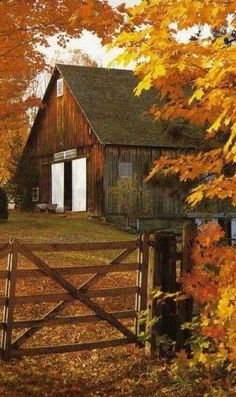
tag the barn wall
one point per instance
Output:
(163, 202)
(60, 126)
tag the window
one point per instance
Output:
(35, 194)
(59, 87)
(125, 170)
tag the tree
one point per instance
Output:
(186, 50)
(194, 78)
(25, 28)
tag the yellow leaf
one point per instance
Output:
(216, 125)
(198, 94)
(159, 71)
(144, 84)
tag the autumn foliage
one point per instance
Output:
(212, 283)
(25, 28)
(185, 50)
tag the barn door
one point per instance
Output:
(79, 185)
(58, 186)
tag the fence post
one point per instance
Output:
(184, 307)
(162, 275)
(142, 280)
(188, 237)
(8, 312)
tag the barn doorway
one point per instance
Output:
(69, 185)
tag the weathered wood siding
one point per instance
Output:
(142, 158)
(59, 126)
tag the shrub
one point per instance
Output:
(132, 199)
(3, 204)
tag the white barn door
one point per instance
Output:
(58, 186)
(79, 185)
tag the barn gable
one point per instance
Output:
(117, 116)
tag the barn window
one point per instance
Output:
(59, 87)
(125, 170)
(35, 194)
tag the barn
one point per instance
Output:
(89, 133)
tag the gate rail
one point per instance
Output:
(12, 348)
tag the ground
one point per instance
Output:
(120, 371)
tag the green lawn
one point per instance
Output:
(59, 227)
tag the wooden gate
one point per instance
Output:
(12, 347)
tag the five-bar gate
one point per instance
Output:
(14, 346)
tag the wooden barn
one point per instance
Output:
(90, 132)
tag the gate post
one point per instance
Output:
(8, 311)
(142, 281)
(161, 275)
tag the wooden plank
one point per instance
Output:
(141, 300)
(184, 315)
(138, 283)
(144, 271)
(58, 297)
(69, 348)
(5, 250)
(189, 235)
(165, 261)
(76, 294)
(91, 246)
(155, 307)
(51, 322)
(75, 270)
(8, 314)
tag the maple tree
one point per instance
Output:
(194, 78)
(25, 28)
(186, 50)
(212, 284)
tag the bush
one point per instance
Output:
(3, 204)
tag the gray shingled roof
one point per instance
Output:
(116, 115)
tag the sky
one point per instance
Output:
(88, 42)
(91, 44)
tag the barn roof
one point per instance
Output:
(116, 115)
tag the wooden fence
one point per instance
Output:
(169, 259)
(13, 348)
(161, 261)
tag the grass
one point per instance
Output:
(60, 227)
